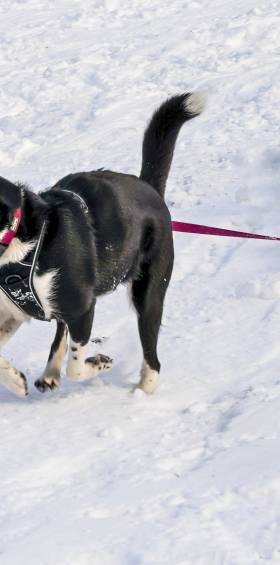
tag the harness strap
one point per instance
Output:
(16, 281)
(34, 263)
(79, 199)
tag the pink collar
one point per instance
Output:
(12, 231)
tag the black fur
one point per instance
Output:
(160, 138)
(10, 194)
(126, 235)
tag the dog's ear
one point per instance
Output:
(10, 194)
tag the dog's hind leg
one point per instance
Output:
(10, 377)
(78, 367)
(51, 376)
(148, 292)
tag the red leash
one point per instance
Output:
(207, 230)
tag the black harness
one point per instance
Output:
(16, 281)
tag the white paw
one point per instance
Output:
(149, 380)
(17, 384)
(98, 363)
(47, 383)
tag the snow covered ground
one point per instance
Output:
(92, 474)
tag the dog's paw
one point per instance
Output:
(17, 383)
(149, 380)
(47, 383)
(99, 363)
(21, 388)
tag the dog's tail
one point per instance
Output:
(161, 134)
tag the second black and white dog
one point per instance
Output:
(91, 232)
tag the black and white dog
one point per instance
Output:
(79, 240)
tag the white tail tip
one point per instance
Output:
(195, 103)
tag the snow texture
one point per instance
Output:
(93, 474)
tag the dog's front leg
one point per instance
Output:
(78, 367)
(10, 377)
(51, 376)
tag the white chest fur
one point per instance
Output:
(45, 289)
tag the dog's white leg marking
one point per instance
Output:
(149, 381)
(51, 376)
(10, 377)
(76, 361)
(53, 368)
(79, 368)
